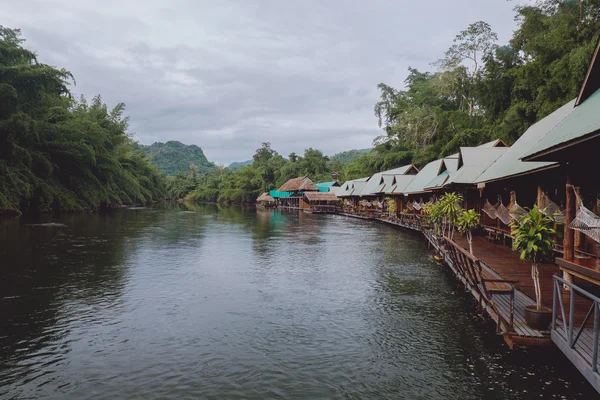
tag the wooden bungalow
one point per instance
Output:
(376, 188)
(346, 193)
(515, 184)
(554, 163)
(415, 191)
(320, 202)
(294, 190)
(266, 200)
(572, 146)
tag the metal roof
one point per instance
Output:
(579, 122)
(336, 189)
(425, 175)
(474, 161)
(509, 164)
(326, 186)
(279, 195)
(402, 182)
(350, 186)
(447, 169)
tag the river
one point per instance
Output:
(198, 301)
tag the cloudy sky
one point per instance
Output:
(229, 74)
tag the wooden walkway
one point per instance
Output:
(507, 264)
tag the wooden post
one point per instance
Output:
(540, 193)
(579, 239)
(511, 203)
(569, 242)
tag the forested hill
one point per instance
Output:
(234, 166)
(343, 157)
(59, 154)
(174, 158)
(348, 156)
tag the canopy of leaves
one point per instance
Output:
(482, 91)
(60, 154)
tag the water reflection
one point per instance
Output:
(205, 301)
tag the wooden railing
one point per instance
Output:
(482, 282)
(568, 333)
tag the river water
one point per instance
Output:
(187, 301)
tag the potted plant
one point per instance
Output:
(466, 222)
(533, 240)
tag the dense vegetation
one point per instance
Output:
(482, 91)
(174, 158)
(57, 153)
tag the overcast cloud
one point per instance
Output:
(228, 75)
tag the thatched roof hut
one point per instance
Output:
(265, 198)
(320, 196)
(300, 184)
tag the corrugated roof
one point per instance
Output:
(448, 168)
(373, 185)
(473, 162)
(358, 188)
(326, 186)
(581, 121)
(349, 186)
(401, 170)
(425, 175)
(402, 181)
(279, 195)
(336, 189)
(510, 164)
(494, 143)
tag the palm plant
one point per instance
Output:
(450, 209)
(466, 222)
(533, 240)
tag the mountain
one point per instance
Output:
(348, 156)
(234, 166)
(175, 157)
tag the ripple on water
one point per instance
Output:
(227, 303)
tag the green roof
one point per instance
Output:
(509, 164)
(350, 186)
(325, 186)
(579, 122)
(474, 161)
(425, 175)
(279, 195)
(448, 168)
(402, 182)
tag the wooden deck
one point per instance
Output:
(506, 264)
